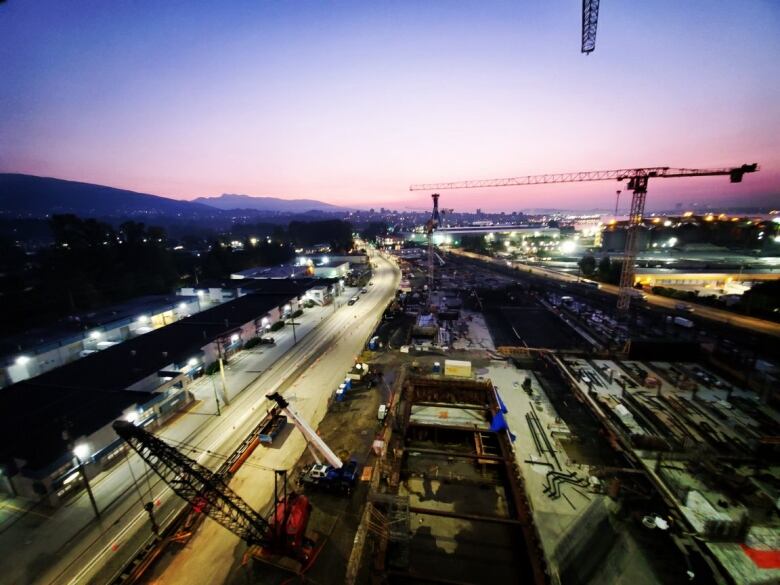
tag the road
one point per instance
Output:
(711, 313)
(69, 546)
(213, 552)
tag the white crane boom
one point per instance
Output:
(311, 436)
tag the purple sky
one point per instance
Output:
(350, 102)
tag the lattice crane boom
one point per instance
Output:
(586, 176)
(590, 21)
(197, 485)
(637, 183)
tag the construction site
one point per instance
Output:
(495, 426)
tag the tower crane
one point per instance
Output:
(637, 183)
(430, 227)
(590, 21)
(335, 475)
(206, 491)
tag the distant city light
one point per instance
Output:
(568, 246)
(667, 223)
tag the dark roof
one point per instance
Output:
(294, 286)
(91, 392)
(76, 326)
(291, 286)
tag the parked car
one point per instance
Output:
(267, 341)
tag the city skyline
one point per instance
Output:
(347, 102)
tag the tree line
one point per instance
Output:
(92, 264)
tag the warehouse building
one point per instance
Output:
(40, 350)
(144, 379)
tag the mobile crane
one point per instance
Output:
(283, 535)
(332, 476)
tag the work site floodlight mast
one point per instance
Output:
(637, 184)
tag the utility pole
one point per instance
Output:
(80, 466)
(292, 322)
(216, 396)
(222, 373)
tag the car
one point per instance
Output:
(371, 283)
(352, 301)
(364, 290)
(267, 341)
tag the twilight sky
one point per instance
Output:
(350, 102)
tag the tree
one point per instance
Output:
(374, 230)
(605, 266)
(335, 232)
(762, 297)
(588, 265)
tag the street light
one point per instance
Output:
(81, 452)
(22, 360)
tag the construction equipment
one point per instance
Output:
(270, 426)
(430, 227)
(637, 183)
(333, 476)
(206, 492)
(590, 20)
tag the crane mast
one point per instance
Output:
(590, 20)
(196, 484)
(431, 227)
(637, 183)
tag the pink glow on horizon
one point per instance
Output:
(353, 103)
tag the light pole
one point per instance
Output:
(292, 322)
(81, 451)
(216, 396)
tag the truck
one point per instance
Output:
(327, 478)
(358, 372)
(271, 425)
(683, 322)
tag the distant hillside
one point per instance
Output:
(273, 204)
(31, 196)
